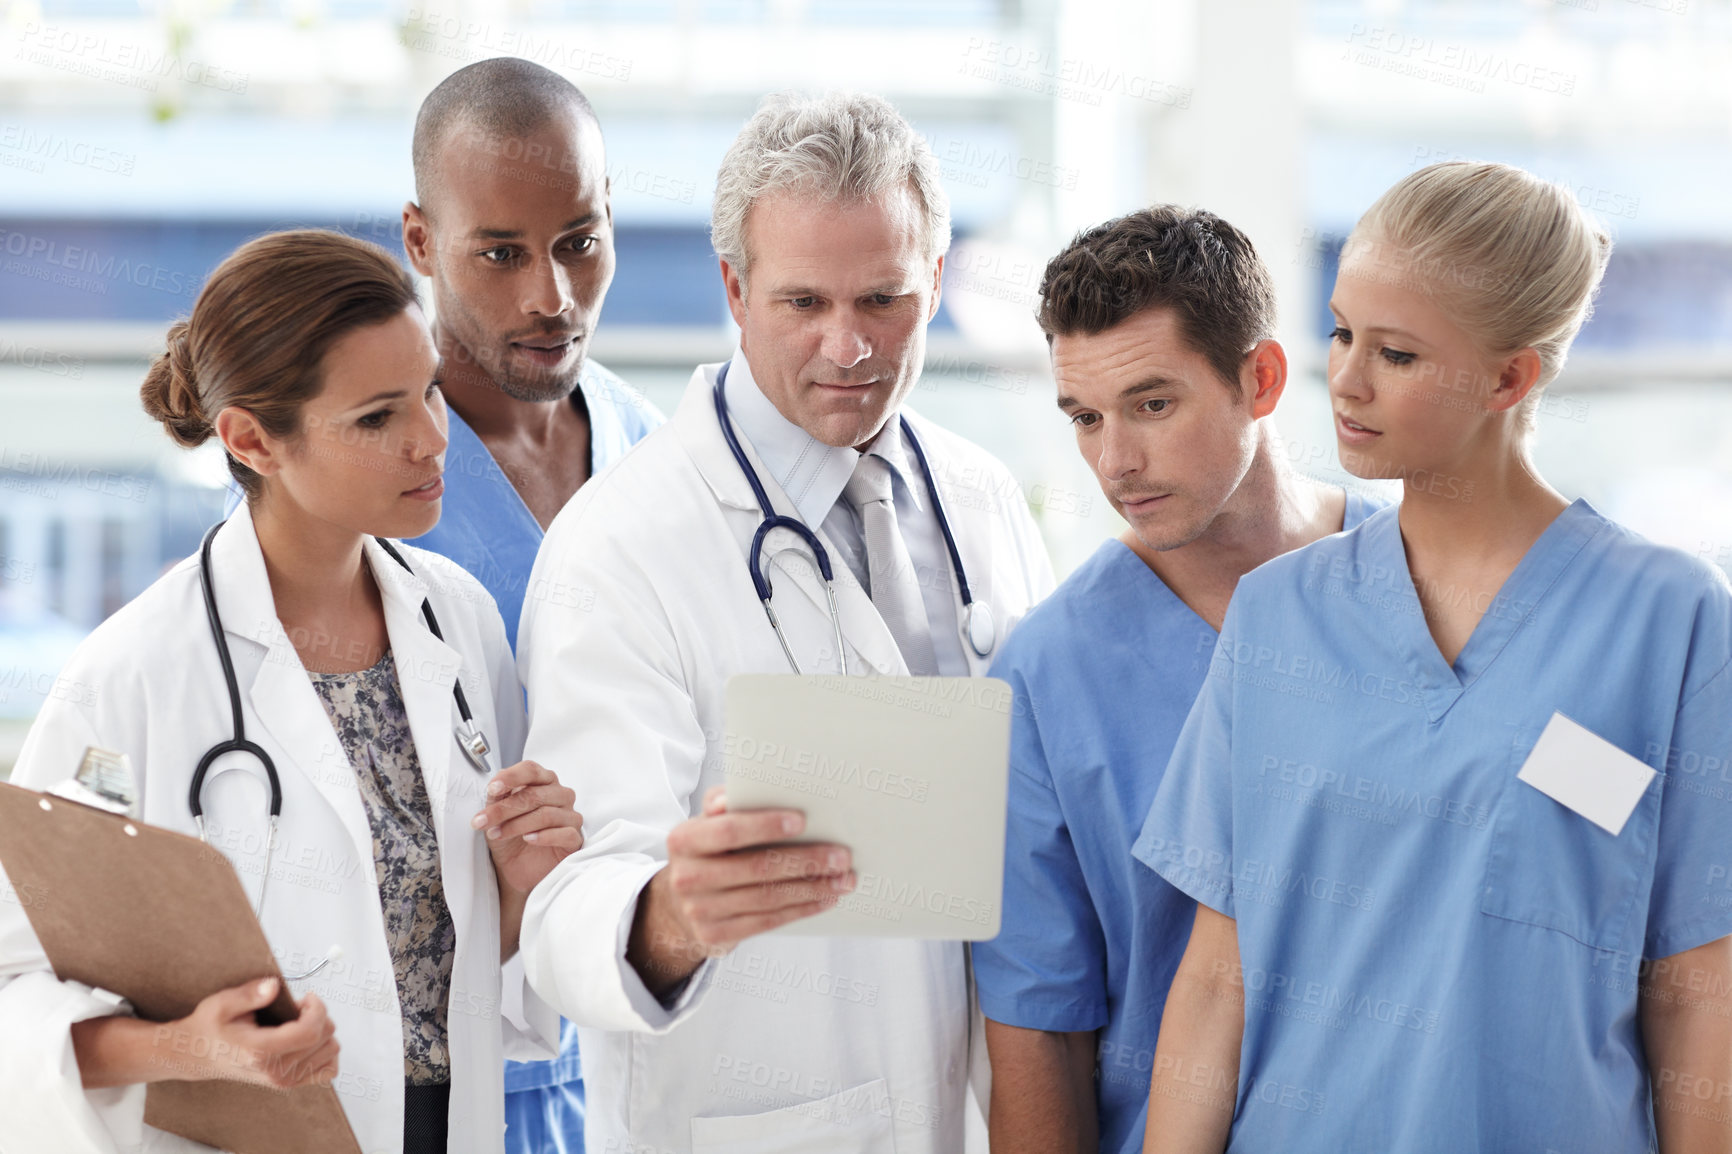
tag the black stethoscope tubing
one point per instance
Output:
(239, 743)
(773, 521)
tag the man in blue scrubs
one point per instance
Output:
(513, 225)
(1161, 327)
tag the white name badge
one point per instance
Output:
(1585, 772)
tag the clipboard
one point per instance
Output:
(162, 920)
(910, 773)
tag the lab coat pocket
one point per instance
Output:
(1549, 866)
(855, 1121)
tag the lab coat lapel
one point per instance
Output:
(701, 437)
(862, 627)
(972, 514)
(426, 670)
(282, 697)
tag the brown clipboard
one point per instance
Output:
(162, 920)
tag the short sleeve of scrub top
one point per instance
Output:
(1691, 898)
(1188, 837)
(1069, 973)
(1102, 673)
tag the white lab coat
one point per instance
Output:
(638, 611)
(148, 683)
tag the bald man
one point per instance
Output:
(513, 225)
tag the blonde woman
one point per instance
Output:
(1421, 926)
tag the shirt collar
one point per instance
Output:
(810, 472)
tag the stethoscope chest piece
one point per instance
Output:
(979, 628)
(474, 744)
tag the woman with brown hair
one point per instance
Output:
(374, 676)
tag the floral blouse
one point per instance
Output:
(367, 710)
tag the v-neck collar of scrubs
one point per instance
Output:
(1441, 682)
(476, 459)
(484, 524)
(1355, 510)
(1161, 590)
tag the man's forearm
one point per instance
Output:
(1043, 1093)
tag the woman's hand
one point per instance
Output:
(530, 823)
(220, 1039)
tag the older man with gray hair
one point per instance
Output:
(700, 1033)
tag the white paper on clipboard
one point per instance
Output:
(910, 773)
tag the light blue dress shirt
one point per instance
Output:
(1435, 955)
(813, 476)
(1104, 672)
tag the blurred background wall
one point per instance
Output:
(140, 142)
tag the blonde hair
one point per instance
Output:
(1514, 259)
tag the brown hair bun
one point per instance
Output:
(170, 391)
(266, 318)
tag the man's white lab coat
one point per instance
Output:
(639, 609)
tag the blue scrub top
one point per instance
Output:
(1435, 955)
(1104, 672)
(484, 525)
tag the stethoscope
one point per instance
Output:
(977, 625)
(469, 735)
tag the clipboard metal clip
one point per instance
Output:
(104, 781)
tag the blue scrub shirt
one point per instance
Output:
(1104, 672)
(1436, 956)
(485, 527)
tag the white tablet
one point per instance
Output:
(910, 773)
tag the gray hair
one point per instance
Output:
(839, 146)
